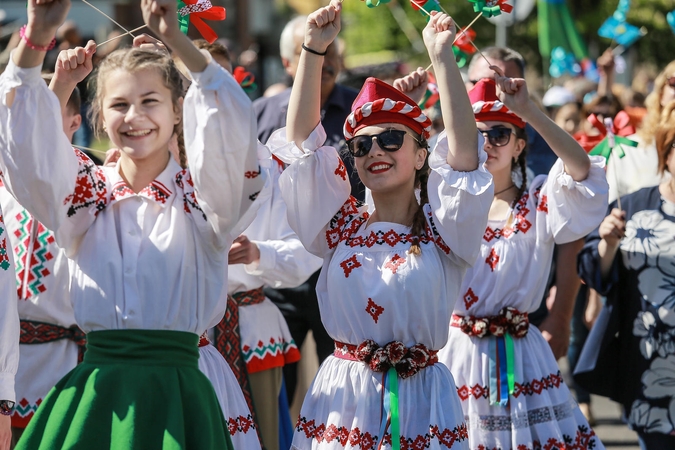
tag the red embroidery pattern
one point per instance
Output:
(350, 264)
(374, 309)
(470, 299)
(583, 440)
(543, 204)
(250, 174)
(366, 441)
(90, 187)
(552, 381)
(154, 191)
(394, 263)
(492, 260)
(240, 424)
(338, 228)
(520, 223)
(185, 183)
(341, 170)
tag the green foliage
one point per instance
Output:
(373, 30)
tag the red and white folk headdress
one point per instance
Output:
(487, 106)
(379, 102)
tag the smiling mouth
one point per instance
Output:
(137, 133)
(379, 168)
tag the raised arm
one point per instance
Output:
(304, 108)
(458, 116)
(219, 128)
(72, 67)
(514, 94)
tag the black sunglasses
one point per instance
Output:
(389, 141)
(498, 136)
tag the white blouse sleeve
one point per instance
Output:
(61, 187)
(459, 202)
(572, 209)
(9, 319)
(284, 262)
(316, 190)
(221, 147)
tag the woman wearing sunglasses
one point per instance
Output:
(387, 278)
(508, 380)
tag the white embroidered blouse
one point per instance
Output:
(152, 260)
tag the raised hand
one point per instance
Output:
(439, 33)
(512, 92)
(323, 27)
(73, 65)
(161, 17)
(613, 228)
(44, 17)
(413, 85)
(148, 42)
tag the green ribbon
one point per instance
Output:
(603, 148)
(183, 21)
(510, 363)
(393, 403)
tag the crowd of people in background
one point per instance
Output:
(167, 244)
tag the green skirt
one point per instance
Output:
(136, 389)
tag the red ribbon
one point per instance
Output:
(197, 19)
(464, 41)
(620, 127)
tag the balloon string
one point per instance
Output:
(111, 19)
(121, 35)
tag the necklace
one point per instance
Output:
(504, 190)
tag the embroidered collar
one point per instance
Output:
(159, 189)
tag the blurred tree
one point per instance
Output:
(367, 30)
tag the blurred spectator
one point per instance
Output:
(564, 108)
(300, 306)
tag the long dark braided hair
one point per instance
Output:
(419, 221)
(520, 163)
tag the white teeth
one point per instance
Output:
(380, 167)
(138, 133)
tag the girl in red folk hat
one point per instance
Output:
(508, 380)
(387, 278)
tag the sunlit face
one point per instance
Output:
(500, 157)
(138, 113)
(389, 171)
(481, 69)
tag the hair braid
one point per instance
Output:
(180, 139)
(419, 220)
(521, 162)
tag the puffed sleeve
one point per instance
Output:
(459, 202)
(9, 319)
(221, 147)
(316, 190)
(284, 262)
(61, 187)
(572, 209)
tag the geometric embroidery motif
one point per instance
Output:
(90, 187)
(583, 440)
(4, 257)
(349, 264)
(520, 222)
(341, 170)
(346, 215)
(492, 259)
(395, 263)
(154, 191)
(30, 269)
(240, 424)
(184, 182)
(250, 174)
(469, 299)
(534, 387)
(358, 440)
(374, 309)
(543, 204)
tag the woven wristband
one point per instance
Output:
(313, 52)
(38, 48)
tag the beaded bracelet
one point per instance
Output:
(38, 48)
(313, 52)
